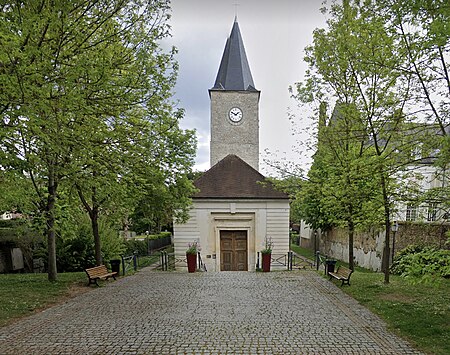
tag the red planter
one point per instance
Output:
(266, 262)
(191, 262)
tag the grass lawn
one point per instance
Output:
(417, 312)
(22, 294)
(303, 251)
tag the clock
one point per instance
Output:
(235, 115)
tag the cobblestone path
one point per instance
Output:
(295, 312)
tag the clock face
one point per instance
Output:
(235, 114)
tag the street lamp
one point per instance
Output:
(394, 230)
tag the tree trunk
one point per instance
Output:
(386, 249)
(95, 232)
(351, 231)
(50, 222)
(93, 213)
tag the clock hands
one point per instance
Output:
(235, 114)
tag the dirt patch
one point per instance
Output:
(73, 291)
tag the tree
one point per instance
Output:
(70, 73)
(341, 190)
(423, 32)
(354, 61)
(146, 172)
(424, 36)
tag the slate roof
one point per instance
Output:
(234, 178)
(234, 72)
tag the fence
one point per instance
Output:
(168, 262)
(288, 261)
(128, 262)
(155, 244)
(133, 262)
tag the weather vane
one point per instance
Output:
(236, 9)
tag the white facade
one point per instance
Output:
(425, 177)
(259, 218)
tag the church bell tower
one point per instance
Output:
(234, 106)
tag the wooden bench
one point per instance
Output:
(99, 273)
(342, 274)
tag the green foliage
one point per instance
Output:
(308, 253)
(268, 246)
(140, 244)
(161, 202)
(422, 263)
(348, 182)
(12, 228)
(159, 235)
(22, 233)
(294, 237)
(77, 253)
(135, 246)
(16, 192)
(86, 108)
(364, 149)
(193, 248)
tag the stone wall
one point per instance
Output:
(367, 249)
(241, 139)
(368, 245)
(430, 234)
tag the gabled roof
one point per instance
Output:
(234, 72)
(234, 178)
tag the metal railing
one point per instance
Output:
(298, 262)
(327, 262)
(168, 262)
(200, 265)
(129, 262)
(288, 261)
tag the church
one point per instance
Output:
(235, 209)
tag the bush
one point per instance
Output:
(423, 262)
(78, 253)
(136, 246)
(295, 237)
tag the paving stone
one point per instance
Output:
(152, 312)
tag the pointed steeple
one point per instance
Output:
(234, 71)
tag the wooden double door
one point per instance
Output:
(233, 250)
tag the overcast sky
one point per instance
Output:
(275, 33)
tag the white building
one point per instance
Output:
(427, 177)
(235, 209)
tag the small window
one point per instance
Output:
(411, 213)
(432, 212)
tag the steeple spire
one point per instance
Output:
(234, 72)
